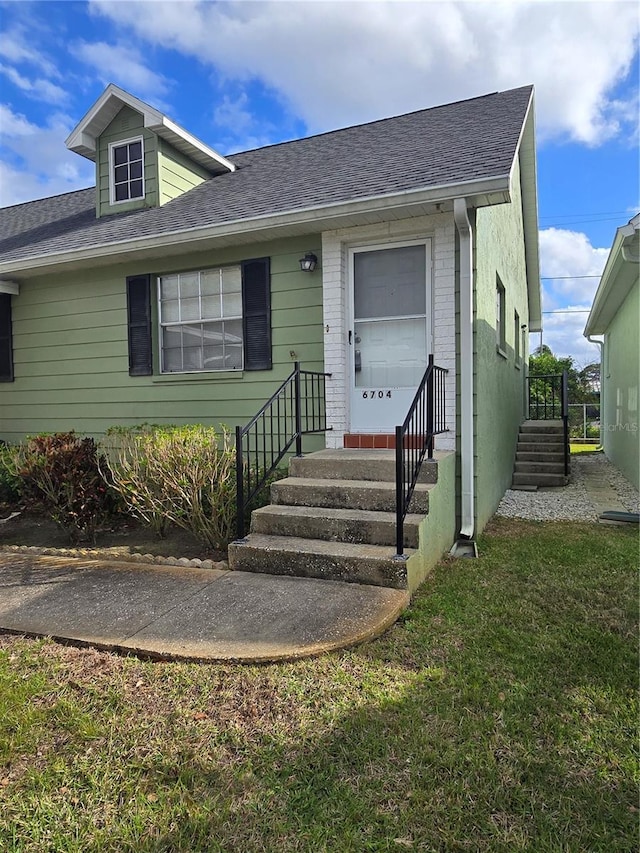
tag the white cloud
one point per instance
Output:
(40, 89)
(120, 64)
(35, 162)
(570, 253)
(566, 254)
(564, 334)
(233, 114)
(17, 47)
(239, 129)
(342, 63)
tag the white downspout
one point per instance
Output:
(466, 367)
(600, 344)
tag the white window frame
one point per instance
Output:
(202, 320)
(112, 170)
(501, 332)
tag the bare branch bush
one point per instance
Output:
(183, 475)
(130, 469)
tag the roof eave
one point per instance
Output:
(526, 153)
(618, 277)
(487, 191)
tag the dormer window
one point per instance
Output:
(126, 170)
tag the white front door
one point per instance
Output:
(389, 331)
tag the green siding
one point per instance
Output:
(620, 437)
(127, 124)
(177, 173)
(498, 381)
(71, 358)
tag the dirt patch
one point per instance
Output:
(119, 539)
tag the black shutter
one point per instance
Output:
(139, 323)
(6, 339)
(256, 314)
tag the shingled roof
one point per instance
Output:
(470, 141)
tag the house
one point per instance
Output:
(173, 291)
(615, 313)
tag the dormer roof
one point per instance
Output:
(83, 138)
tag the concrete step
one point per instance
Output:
(539, 456)
(550, 426)
(539, 467)
(541, 437)
(346, 494)
(371, 465)
(310, 558)
(540, 447)
(334, 525)
(541, 480)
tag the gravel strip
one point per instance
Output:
(571, 503)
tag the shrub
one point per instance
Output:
(9, 482)
(179, 474)
(61, 472)
(130, 468)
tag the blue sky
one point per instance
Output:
(243, 74)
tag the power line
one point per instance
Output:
(562, 220)
(583, 215)
(570, 311)
(583, 221)
(563, 277)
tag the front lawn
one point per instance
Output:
(499, 714)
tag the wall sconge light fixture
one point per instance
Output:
(309, 262)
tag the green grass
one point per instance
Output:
(499, 714)
(584, 447)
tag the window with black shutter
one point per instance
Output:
(6, 339)
(139, 322)
(216, 319)
(256, 310)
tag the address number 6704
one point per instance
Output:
(375, 395)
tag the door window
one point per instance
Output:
(390, 317)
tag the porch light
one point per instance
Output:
(308, 263)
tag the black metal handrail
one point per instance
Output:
(425, 419)
(297, 408)
(565, 419)
(548, 399)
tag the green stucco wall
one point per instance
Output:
(499, 377)
(177, 174)
(621, 431)
(127, 124)
(71, 355)
(438, 528)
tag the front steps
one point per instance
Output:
(334, 518)
(539, 456)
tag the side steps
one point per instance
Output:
(539, 456)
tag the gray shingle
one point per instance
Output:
(458, 142)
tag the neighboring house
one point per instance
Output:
(173, 292)
(616, 315)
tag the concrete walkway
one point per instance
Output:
(603, 497)
(169, 612)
